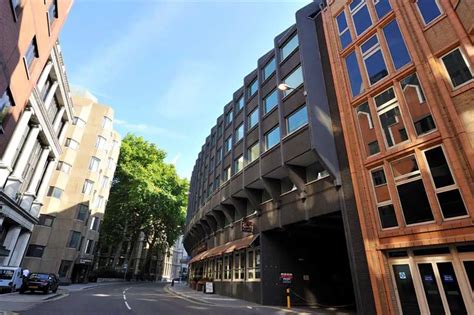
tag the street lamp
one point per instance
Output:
(284, 87)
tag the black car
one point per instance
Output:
(44, 282)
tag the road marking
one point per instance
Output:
(125, 299)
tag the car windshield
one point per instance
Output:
(38, 276)
(6, 274)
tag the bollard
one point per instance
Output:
(288, 298)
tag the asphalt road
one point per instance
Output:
(148, 298)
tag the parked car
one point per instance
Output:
(10, 278)
(44, 282)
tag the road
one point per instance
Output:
(148, 298)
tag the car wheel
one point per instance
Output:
(46, 290)
(55, 290)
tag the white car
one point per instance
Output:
(10, 278)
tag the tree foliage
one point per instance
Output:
(146, 196)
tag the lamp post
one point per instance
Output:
(285, 87)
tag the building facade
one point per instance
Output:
(271, 198)
(64, 241)
(406, 97)
(35, 109)
(175, 262)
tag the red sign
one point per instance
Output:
(286, 278)
(247, 226)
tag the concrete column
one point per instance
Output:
(20, 249)
(58, 118)
(49, 97)
(7, 159)
(14, 181)
(26, 151)
(44, 76)
(42, 163)
(45, 180)
(62, 134)
(10, 241)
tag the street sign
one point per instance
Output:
(209, 288)
(247, 226)
(286, 278)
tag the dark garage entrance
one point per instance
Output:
(315, 252)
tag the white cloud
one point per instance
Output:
(146, 129)
(175, 159)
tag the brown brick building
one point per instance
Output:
(405, 95)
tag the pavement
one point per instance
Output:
(134, 298)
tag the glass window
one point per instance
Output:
(367, 130)
(239, 133)
(253, 152)
(100, 143)
(64, 268)
(228, 118)
(52, 12)
(239, 265)
(72, 144)
(82, 212)
(253, 118)
(360, 16)
(111, 164)
(226, 174)
(74, 239)
(457, 67)
(219, 154)
(98, 201)
(228, 145)
(353, 71)
(373, 60)
(31, 53)
(289, 47)
(390, 118)
(411, 192)
(272, 138)
(64, 167)
(94, 164)
(270, 101)
(297, 119)
(35, 251)
(219, 130)
(396, 45)
(46, 220)
(386, 211)
(429, 10)
(240, 103)
(448, 194)
(55, 192)
(87, 187)
(293, 80)
(89, 246)
(6, 102)
(252, 88)
(238, 164)
(79, 122)
(253, 264)
(107, 123)
(95, 223)
(269, 69)
(382, 7)
(344, 33)
(417, 106)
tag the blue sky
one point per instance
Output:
(169, 67)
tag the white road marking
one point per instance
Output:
(125, 299)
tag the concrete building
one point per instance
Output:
(35, 109)
(175, 262)
(65, 239)
(271, 199)
(405, 91)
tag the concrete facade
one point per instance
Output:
(269, 205)
(35, 111)
(406, 99)
(64, 242)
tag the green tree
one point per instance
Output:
(147, 197)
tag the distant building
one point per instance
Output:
(175, 262)
(35, 110)
(64, 242)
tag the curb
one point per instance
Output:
(184, 296)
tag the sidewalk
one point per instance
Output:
(182, 290)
